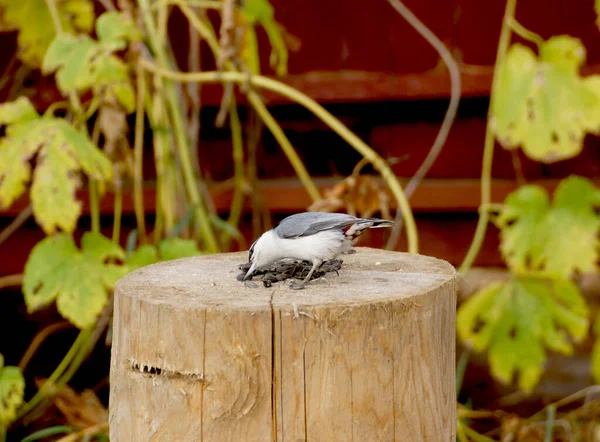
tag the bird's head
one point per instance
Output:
(262, 253)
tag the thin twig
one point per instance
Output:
(440, 140)
(488, 147)
(39, 338)
(285, 144)
(228, 46)
(517, 166)
(11, 280)
(107, 4)
(138, 152)
(238, 164)
(524, 33)
(85, 432)
(204, 4)
(16, 223)
(193, 91)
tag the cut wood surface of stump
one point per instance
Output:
(368, 355)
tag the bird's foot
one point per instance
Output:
(320, 280)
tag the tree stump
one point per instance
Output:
(368, 355)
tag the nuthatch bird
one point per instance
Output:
(310, 236)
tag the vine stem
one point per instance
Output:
(11, 280)
(238, 175)
(138, 154)
(16, 223)
(58, 372)
(318, 110)
(205, 31)
(39, 338)
(440, 140)
(285, 144)
(525, 33)
(208, 235)
(488, 147)
(118, 209)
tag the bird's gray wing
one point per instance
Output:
(309, 223)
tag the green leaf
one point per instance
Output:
(36, 30)
(19, 111)
(12, 389)
(114, 29)
(509, 108)
(557, 239)
(69, 57)
(62, 153)
(143, 256)
(175, 248)
(523, 212)
(81, 64)
(542, 103)
(570, 231)
(597, 9)
(111, 81)
(78, 280)
(518, 320)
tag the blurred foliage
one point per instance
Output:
(516, 320)
(554, 240)
(543, 104)
(34, 22)
(261, 12)
(81, 63)
(78, 280)
(62, 152)
(540, 307)
(12, 388)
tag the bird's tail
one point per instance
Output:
(377, 223)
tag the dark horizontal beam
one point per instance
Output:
(288, 195)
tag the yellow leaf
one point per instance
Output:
(542, 104)
(518, 320)
(63, 153)
(36, 29)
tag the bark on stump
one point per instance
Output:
(367, 356)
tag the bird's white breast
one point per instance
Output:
(322, 246)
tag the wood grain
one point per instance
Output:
(367, 355)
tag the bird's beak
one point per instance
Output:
(250, 272)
